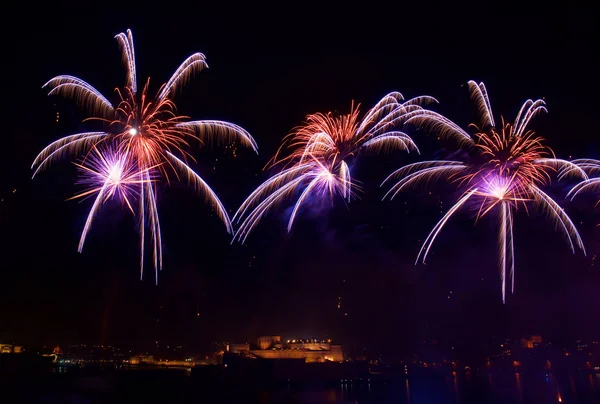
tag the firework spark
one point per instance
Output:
(317, 165)
(591, 168)
(504, 170)
(109, 174)
(149, 133)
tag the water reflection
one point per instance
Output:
(519, 387)
(549, 386)
(456, 387)
(572, 383)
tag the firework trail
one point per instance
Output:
(504, 170)
(318, 154)
(591, 168)
(148, 134)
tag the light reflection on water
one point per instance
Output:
(519, 388)
(455, 388)
(455, 380)
(510, 387)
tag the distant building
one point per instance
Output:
(272, 347)
(142, 360)
(268, 342)
(238, 348)
(151, 360)
(532, 342)
(10, 348)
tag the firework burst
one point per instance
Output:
(318, 153)
(149, 134)
(504, 170)
(107, 174)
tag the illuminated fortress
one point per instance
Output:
(272, 347)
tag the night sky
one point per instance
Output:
(269, 68)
